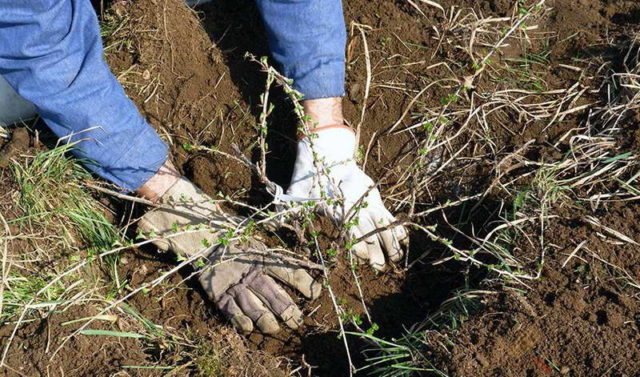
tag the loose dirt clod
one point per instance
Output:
(18, 143)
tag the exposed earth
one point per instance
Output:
(568, 303)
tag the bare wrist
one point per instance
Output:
(159, 183)
(323, 112)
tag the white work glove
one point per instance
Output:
(346, 184)
(239, 277)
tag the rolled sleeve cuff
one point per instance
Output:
(145, 155)
(324, 81)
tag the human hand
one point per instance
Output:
(239, 277)
(353, 201)
(241, 280)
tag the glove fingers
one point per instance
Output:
(232, 311)
(253, 308)
(391, 245)
(295, 277)
(388, 237)
(376, 256)
(402, 235)
(360, 249)
(276, 299)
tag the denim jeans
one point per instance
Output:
(51, 54)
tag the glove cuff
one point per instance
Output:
(333, 147)
(184, 205)
(323, 128)
(332, 144)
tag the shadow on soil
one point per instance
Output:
(425, 287)
(235, 27)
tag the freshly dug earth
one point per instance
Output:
(579, 319)
(33, 348)
(187, 73)
(208, 94)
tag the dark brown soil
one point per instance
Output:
(188, 70)
(18, 143)
(187, 73)
(211, 348)
(580, 319)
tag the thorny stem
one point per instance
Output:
(267, 108)
(305, 129)
(334, 302)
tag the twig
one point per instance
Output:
(367, 60)
(573, 253)
(5, 256)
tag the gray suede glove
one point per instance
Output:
(240, 280)
(239, 277)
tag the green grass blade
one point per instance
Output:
(118, 334)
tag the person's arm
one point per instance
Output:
(51, 54)
(307, 38)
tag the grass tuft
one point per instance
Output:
(52, 198)
(208, 362)
(64, 224)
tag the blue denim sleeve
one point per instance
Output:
(307, 38)
(51, 54)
